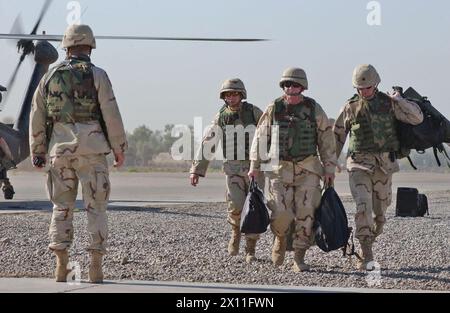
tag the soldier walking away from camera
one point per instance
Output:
(370, 118)
(235, 112)
(75, 120)
(307, 153)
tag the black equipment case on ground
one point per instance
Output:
(410, 203)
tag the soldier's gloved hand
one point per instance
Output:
(39, 161)
(396, 96)
(328, 180)
(119, 159)
(253, 174)
(194, 179)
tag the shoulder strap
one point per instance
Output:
(411, 162)
(354, 98)
(311, 103)
(224, 107)
(249, 107)
(53, 71)
(279, 104)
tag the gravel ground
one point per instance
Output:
(188, 243)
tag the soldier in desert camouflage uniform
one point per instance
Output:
(235, 112)
(370, 118)
(76, 121)
(295, 191)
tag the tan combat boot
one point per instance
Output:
(279, 250)
(250, 250)
(367, 257)
(95, 269)
(233, 245)
(299, 261)
(62, 260)
(378, 229)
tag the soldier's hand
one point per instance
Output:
(39, 161)
(194, 179)
(253, 174)
(396, 96)
(119, 159)
(328, 180)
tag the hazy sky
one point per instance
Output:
(171, 82)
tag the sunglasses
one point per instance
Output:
(291, 84)
(232, 94)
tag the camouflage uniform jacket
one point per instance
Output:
(404, 110)
(326, 164)
(200, 165)
(85, 138)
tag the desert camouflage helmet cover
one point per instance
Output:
(234, 84)
(365, 76)
(294, 74)
(78, 35)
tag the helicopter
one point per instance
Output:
(14, 142)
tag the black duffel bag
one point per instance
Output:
(255, 215)
(331, 230)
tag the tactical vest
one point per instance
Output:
(244, 117)
(297, 129)
(373, 128)
(71, 94)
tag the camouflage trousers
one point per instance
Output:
(62, 186)
(294, 196)
(237, 189)
(372, 193)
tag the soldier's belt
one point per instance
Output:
(77, 120)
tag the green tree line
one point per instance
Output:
(144, 144)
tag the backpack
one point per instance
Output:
(423, 204)
(431, 133)
(330, 228)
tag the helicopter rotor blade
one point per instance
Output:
(17, 28)
(25, 45)
(59, 38)
(10, 84)
(41, 16)
(180, 38)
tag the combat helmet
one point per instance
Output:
(234, 84)
(78, 35)
(365, 76)
(294, 74)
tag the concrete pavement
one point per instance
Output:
(40, 285)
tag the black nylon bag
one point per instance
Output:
(331, 230)
(407, 202)
(431, 133)
(423, 205)
(255, 214)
